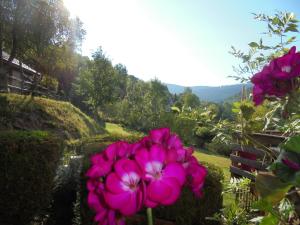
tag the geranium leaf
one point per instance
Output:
(269, 220)
(270, 187)
(293, 144)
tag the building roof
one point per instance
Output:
(16, 62)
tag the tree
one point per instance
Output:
(189, 99)
(41, 34)
(97, 82)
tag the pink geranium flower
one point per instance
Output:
(118, 150)
(164, 181)
(277, 78)
(287, 66)
(196, 176)
(101, 166)
(125, 188)
(125, 177)
(104, 214)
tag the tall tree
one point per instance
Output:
(97, 82)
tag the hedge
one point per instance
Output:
(28, 162)
(188, 210)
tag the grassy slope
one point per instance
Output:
(26, 113)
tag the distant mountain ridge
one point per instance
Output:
(211, 94)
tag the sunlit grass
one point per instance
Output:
(224, 164)
(217, 160)
(113, 128)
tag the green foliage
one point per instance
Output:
(24, 112)
(204, 135)
(97, 81)
(182, 125)
(282, 213)
(143, 107)
(190, 210)
(28, 162)
(270, 188)
(219, 147)
(250, 118)
(283, 25)
(42, 34)
(231, 215)
(292, 145)
(279, 183)
(189, 100)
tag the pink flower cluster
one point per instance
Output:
(125, 177)
(278, 78)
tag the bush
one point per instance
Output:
(181, 125)
(189, 210)
(28, 162)
(204, 135)
(219, 147)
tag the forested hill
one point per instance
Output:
(212, 94)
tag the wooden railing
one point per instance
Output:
(25, 83)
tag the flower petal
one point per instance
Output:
(113, 183)
(160, 135)
(175, 170)
(116, 201)
(157, 153)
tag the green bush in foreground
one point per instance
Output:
(28, 162)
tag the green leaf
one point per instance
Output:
(271, 28)
(269, 220)
(275, 21)
(291, 28)
(293, 144)
(291, 39)
(270, 187)
(262, 205)
(253, 45)
(175, 109)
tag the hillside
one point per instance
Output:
(212, 94)
(25, 113)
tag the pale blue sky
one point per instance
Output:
(182, 42)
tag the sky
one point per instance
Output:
(184, 42)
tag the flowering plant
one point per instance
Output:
(280, 79)
(277, 79)
(151, 172)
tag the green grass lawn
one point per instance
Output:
(217, 160)
(224, 164)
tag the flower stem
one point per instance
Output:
(149, 216)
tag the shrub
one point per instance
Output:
(219, 147)
(189, 210)
(184, 127)
(28, 162)
(204, 135)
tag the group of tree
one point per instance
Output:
(41, 34)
